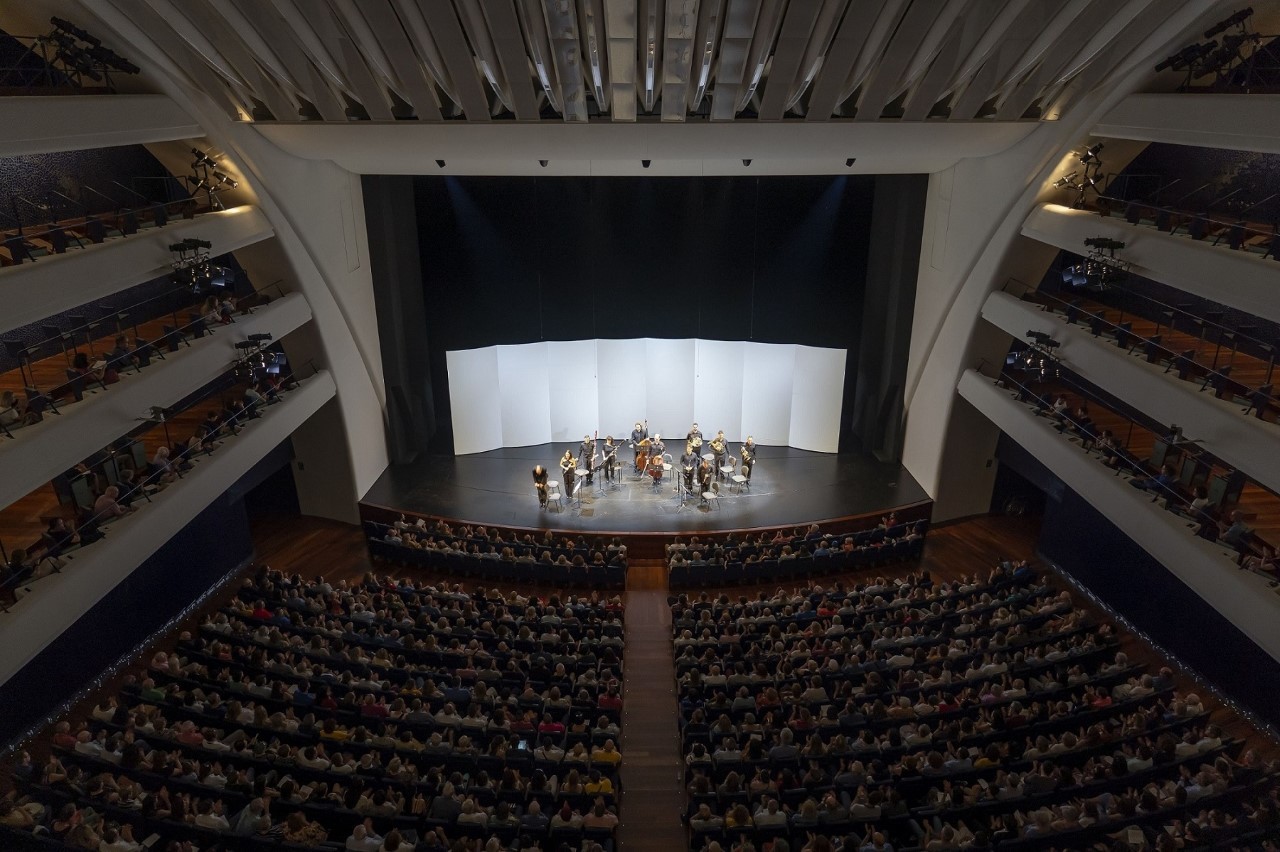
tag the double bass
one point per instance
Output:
(642, 455)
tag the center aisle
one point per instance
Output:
(652, 777)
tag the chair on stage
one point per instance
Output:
(727, 470)
(553, 493)
(712, 495)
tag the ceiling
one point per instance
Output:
(576, 61)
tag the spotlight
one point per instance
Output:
(746, 162)
(543, 163)
(849, 162)
(1104, 244)
(440, 163)
(202, 159)
(260, 337)
(1223, 25)
(225, 179)
(644, 164)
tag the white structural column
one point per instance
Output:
(43, 125)
(1241, 597)
(1237, 278)
(1243, 442)
(39, 453)
(59, 600)
(56, 283)
(1233, 122)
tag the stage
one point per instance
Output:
(788, 487)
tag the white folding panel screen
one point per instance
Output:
(513, 396)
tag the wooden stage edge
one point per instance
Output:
(649, 544)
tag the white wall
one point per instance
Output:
(1246, 122)
(40, 125)
(513, 396)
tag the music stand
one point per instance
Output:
(579, 476)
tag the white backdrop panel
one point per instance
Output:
(668, 368)
(817, 394)
(621, 367)
(766, 392)
(717, 387)
(525, 395)
(474, 404)
(575, 395)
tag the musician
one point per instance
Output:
(748, 454)
(610, 457)
(704, 476)
(567, 466)
(638, 434)
(693, 440)
(657, 448)
(719, 446)
(688, 465)
(587, 456)
(540, 483)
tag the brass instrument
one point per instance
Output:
(718, 446)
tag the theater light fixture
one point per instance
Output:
(1086, 180)
(440, 164)
(644, 164)
(543, 163)
(849, 162)
(746, 162)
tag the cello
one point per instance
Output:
(656, 468)
(642, 455)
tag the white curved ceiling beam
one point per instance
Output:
(504, 26)
(731, 65)
(824, 30)
(884, 79)
(706, 48)
(768, 22)
(828, 85)
(443, 23)
(649, 32)
(1053, 61)
(562, 32)
(1061, 21)
(425, 46)
(350, 18)
(620, 28)
(196, 39)
(939, 31)
(541, 56)
(920, 102)
(312, 44)
(386, 28)
(1020, 34)
(1112, 27)
(265, 53)
(595, 47)
(282, 106)
(678, 38)
(989, 39)
(368, 88)
(788, 55)
(886, 23)
(265, 18)
(486, 55)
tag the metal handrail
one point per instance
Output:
(1249, 230)
(1129, 460)
(1209, 371)
(1195, 318)
(179, 329)
(23, 232)
(151, 478)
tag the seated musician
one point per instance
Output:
(540, 483)
(704, 475)
(657, 448)
(748, 457)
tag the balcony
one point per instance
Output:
(44, 125)
(37, 453)
(1241, 596)
(63, 597)
(1241, 279)
(1247, 443)
(60, 282)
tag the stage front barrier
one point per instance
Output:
(557, 391)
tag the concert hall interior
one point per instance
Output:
(614, 425)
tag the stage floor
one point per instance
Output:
(788, 486)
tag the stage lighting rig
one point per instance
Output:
(208, 177)
(1085, 180)
(1234, 20)
(191, 266)
(83, 55)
